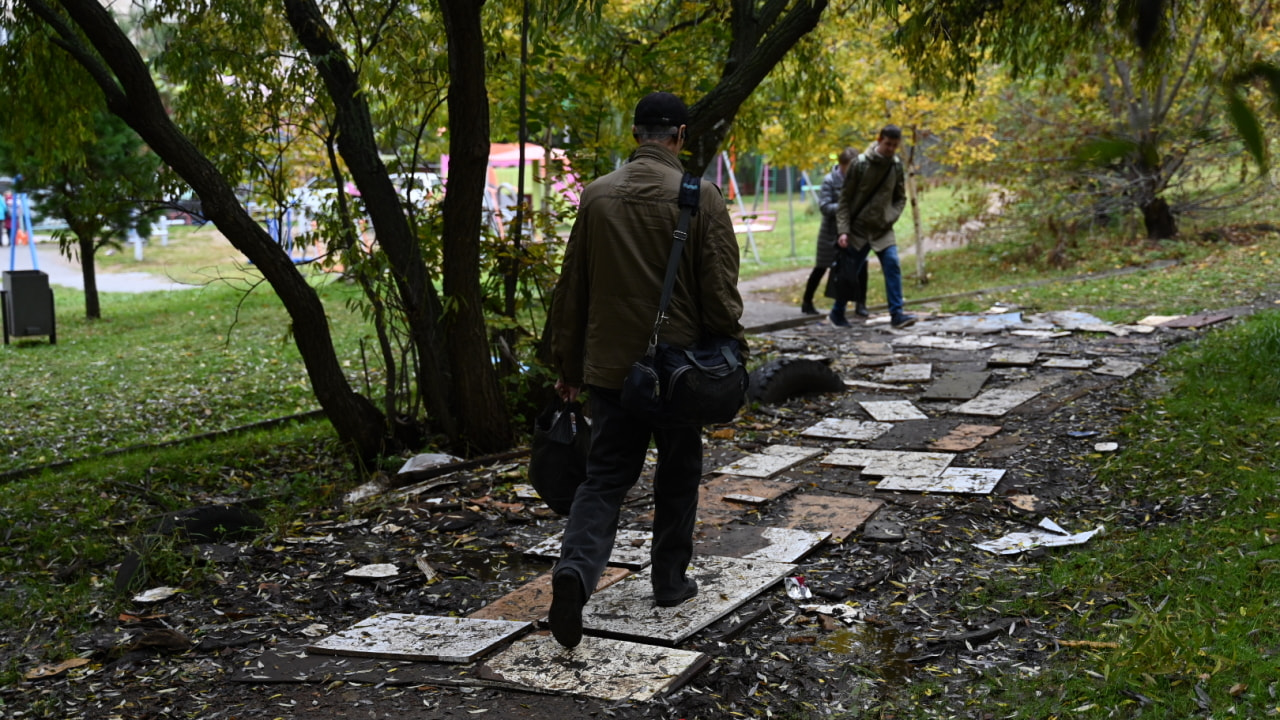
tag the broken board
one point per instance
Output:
(886, 463)
(532, 601)
(1118, 368)
(1013, 357)
(942, 343)
(715, 506)
(1198, 321)
(753, 542)
(995, 403)
(626, 609)
(770, 461)
(892, 410)
(964, 437)
(613, 670)
(957, 385)
(907, 373)
(846, 429)
(429, 638)
(631, 548)
(967, 481)
(838, 515)
(1067, 363)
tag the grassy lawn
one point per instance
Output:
(156, 367)
(1183, 603)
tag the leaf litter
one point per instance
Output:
(921, 604)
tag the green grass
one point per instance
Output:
(156, 367)
(1189, 589)
(194, 254)
(65, 530)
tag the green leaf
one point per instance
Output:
(1247, 125)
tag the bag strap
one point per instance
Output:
(690, 193)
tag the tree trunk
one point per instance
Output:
(913, 194)
(1159, 220)
(485, 419)
(762, 35)
(88, 271)
(131, 94)
(359, 149)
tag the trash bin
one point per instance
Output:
(27, 304)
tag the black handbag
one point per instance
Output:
(842, 283)
(672, 386)
(558, 460)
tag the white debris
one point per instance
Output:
(1052, 536)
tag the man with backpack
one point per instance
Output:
(871, 201)
(602, 316)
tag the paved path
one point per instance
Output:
(67, 273)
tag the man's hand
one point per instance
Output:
(567, 392)
(843, 240)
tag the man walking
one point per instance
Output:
(601, 317)
(871, 202)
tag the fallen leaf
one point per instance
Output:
(48, 671)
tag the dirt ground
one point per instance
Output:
(930, 602)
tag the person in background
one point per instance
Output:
(871, 201)
(828, 203)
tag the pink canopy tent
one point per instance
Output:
(508, 155)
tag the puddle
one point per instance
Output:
(490, 567)
(874, 647)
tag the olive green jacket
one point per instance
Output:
(875, 220)
(610, 284)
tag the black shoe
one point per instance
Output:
(838, 320)
(567, 600)
(809, 309)
(690, 589)
(903, 321)
(861, 311)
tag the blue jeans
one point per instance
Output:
(619, 442)
(892, 270)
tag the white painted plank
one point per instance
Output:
(1013, 357)
(907, 373)
(995, 403)
(770, 461)
(847, 429)
(1118, 368)
(967, 481)
(891, 463)
(892, 410)
(1067, 363)
(627, 609)
(428, 638)
(614, 670)
(941, 343)
(631, 548)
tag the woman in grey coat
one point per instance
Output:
(828, 202)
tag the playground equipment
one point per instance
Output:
(743, 222)
(282, 230)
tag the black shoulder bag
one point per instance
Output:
(678, 387)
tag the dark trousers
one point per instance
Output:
(618, 445)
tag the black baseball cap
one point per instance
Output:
(661, 108)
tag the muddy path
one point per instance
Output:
(924, 603)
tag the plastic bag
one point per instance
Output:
(558, 463)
